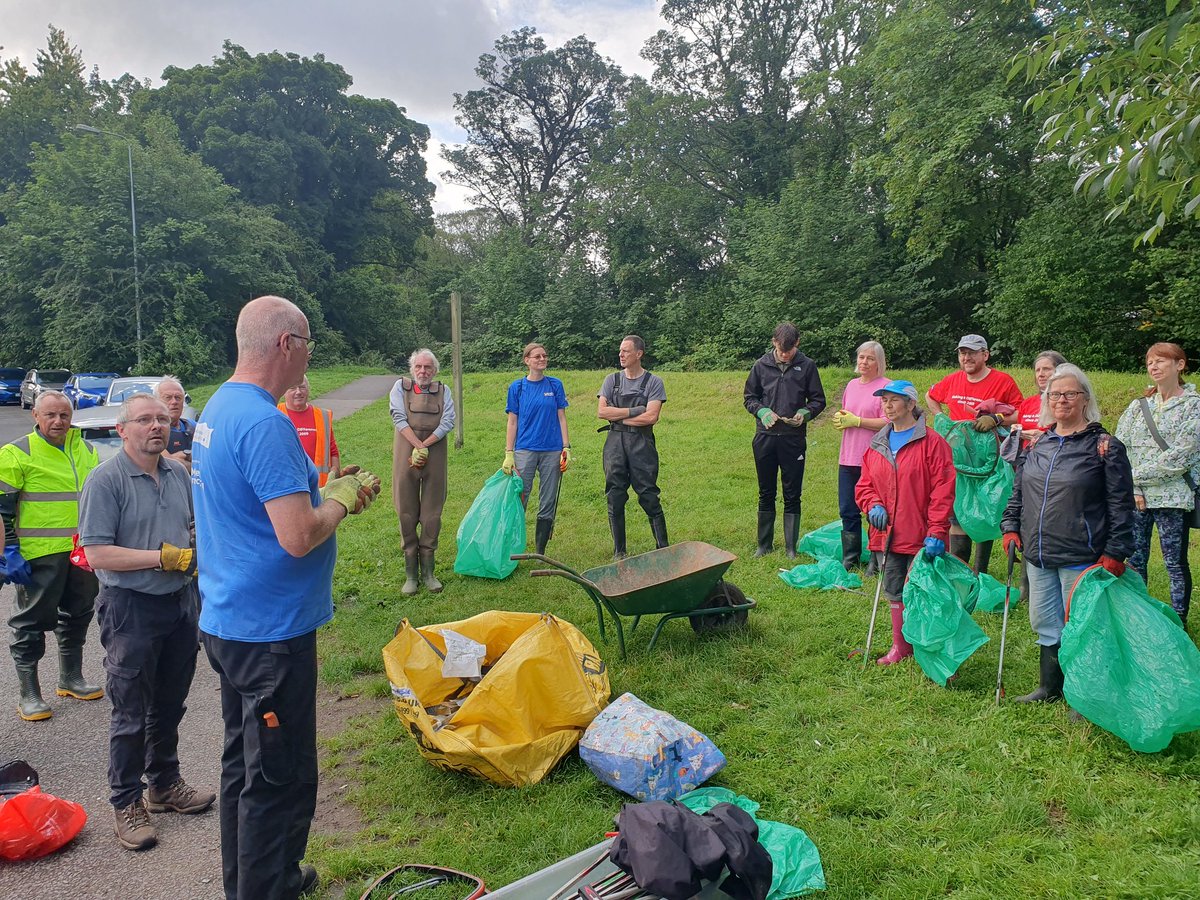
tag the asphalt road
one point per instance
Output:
(70, 752)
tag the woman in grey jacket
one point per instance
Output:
(1161, 473)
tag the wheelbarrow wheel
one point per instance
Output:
(724, 594)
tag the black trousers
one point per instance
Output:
(782, 457)
(269, 764)
(631, 458)
(62, 599)
(150, 657)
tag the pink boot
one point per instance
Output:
(901, 649)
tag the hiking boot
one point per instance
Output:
(133, 827)
(31, 707)
(410, 574)
(766, 532)
(427, 576)
(308, 880)
(70, 677)
(180, 797)
(791, 534)
(1049, 690)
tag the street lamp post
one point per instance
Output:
(137, 288)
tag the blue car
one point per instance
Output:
(10, 385)
(88, 389)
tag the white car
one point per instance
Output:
(99, 423)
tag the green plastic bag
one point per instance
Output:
(826, 543)
(492, 530)
(824, 574)
(795, 861)
(1127, 663)
(991, 593)
(938, 598)
(985, 481)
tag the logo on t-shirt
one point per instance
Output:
(203, 434)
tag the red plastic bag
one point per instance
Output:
(33, 824)
(79, 555)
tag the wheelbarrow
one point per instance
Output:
(683, 581)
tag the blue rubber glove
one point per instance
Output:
(934, 547)
(13, 566)
(877, 516)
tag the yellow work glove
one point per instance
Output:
(177, 559)
(564, 458)
(510, 462)
(418, 457)
(354, 492)
(843, 419)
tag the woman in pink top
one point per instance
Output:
(860, 416)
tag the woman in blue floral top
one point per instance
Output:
(1160, 477)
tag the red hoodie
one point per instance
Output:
(916, 487)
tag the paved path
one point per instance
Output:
(70, 752)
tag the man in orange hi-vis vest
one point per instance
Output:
(315, 427)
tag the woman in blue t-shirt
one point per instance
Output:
(537, 439)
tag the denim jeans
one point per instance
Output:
(1048, 593)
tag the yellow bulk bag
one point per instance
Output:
(545, 685)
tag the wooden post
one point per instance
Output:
(456, 340)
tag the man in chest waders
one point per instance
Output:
(423, 413)
(630, 401)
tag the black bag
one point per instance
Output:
(1192, 519)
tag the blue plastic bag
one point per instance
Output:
(1127, 664)
(492, 530)
(647, 753)
(938, 598)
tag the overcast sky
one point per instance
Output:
(412, 52)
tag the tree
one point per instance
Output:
(533, 130)
(1124, 103)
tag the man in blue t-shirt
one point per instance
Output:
(265, 538)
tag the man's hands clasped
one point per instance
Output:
(355, 491)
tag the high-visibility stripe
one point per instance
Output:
(45, 532)
(50, 496)
(6, 488)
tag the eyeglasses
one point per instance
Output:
(1065, 395)
(145, 421)
(309, 343)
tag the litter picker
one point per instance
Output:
(1012, 560)
(866, 650)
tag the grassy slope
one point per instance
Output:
(908, 789)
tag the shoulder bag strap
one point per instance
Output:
(1158, 439)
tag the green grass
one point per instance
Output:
(908, 789)
(321, 380)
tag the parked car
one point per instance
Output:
(118, 391)
(10, 385)
(38, 381)
(87, 389)
(99, 428)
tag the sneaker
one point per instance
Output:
(180, 797)
(133, 827)
(308, 880)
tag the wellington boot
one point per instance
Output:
(766, 532)
(31, 707)
(1049, 689)
(616, 524)
(874, 564)
(851, 549)
(960, 546)
(411, 572)
(70, 677)
(901, 649)
(545, 531)
(983, 556)
(427, 576)
(658, 528)
(791, 534)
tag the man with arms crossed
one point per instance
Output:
(135, 520)
(265, 537)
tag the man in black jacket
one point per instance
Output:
(784, 393)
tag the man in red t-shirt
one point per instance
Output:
(315, 427)
(959, 395)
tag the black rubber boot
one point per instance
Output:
(983, 556)
(874, 564)
(545, 530)
(766, 532)
(616, 524)
(851, 549)
(791, 534)
(427, 576)
(411, 573)
(658, 528)
(960, 546)
(1049, 690)
(31, 707)
(70, 677)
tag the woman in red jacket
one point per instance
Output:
(907, 491)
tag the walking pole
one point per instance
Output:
(887, 546)
(1012, 560)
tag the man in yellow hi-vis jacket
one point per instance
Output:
(41, 475)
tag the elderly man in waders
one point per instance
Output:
(630, 402)
(423, 413)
